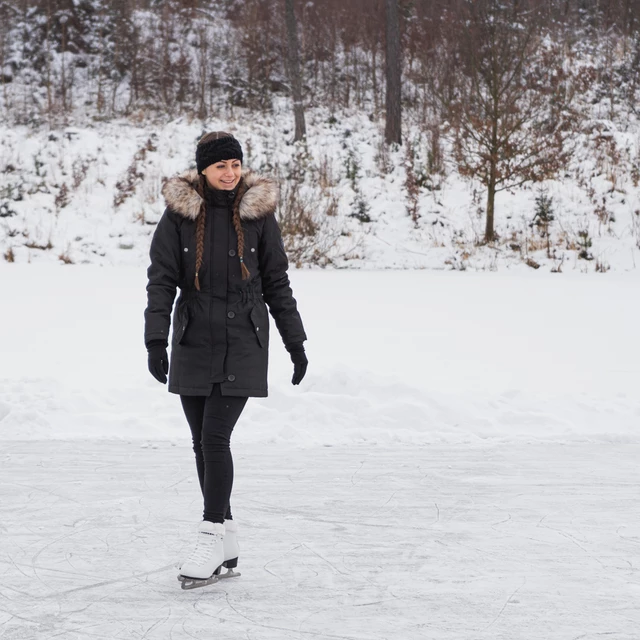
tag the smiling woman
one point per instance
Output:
(224, 174)
(219, 242)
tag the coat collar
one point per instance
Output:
(259, 199)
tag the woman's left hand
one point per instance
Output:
(300, 362)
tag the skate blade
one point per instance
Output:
(194, 583)
(229, 574)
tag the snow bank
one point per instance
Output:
(395, 357)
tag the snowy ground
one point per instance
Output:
(413, 356)
(460, 462)
(92, 195)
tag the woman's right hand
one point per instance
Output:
(158, 360)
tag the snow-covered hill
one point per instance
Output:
(91, 194)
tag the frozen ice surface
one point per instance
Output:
(365, 542)
(459, 463)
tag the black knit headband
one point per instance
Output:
(213, 151)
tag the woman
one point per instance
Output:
(219, 242)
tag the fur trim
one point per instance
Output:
(259, 200)
(181, 196)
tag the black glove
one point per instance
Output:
(299, 359)
(158, 360)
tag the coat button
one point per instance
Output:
(232, 252)
(231, 377)
(231, 314)
(231, 195)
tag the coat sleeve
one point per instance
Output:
(276, 288)
(163, 274)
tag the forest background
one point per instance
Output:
(438, 134)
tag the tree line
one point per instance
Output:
(190, 56)
(501, 77)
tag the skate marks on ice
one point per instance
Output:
(518, 541)
(358, 543)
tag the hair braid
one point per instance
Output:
(200, 221)
(242, 188)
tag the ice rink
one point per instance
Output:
(459, 463)
(361, 542)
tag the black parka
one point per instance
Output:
(220, 333)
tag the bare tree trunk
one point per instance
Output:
(63, 75)
(134, 83)
(100, 97)
(203, 71)
(374, 80)
(334, 80)
(114, 87)
(49, 98)
(347, 84)
(489, 233)
(2, 75)
(393, 129)
(295, 78)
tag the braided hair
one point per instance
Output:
(201, 219)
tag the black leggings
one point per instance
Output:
(211, 421)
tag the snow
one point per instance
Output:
(459, 463)
(113, 172)
(468, 357)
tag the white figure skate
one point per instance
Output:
(205, 562)
(230, 552)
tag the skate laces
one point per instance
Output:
(205, 544)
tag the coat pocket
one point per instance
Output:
(260, 324)
(181, 323)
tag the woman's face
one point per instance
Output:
(224, 174)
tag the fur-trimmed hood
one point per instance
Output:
(259, 200)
